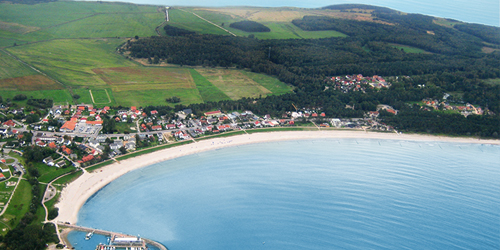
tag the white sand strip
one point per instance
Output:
(76, 193)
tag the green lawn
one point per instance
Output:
(60, 96)
(48, 173)
(124, 127)
(19, 204)
(68, 178)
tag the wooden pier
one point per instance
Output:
(112, 235)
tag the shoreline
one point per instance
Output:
(76, 193)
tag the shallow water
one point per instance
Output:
(314, 194)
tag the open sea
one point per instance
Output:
(310, 194)
(477, 11)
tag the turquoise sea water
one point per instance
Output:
(314, 194)
(477, 11)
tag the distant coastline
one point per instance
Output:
(482, 12)
(74, 196)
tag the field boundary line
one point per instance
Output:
(209, 22)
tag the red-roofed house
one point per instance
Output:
(156, 127)
(9, 123)
(213, 113)
(94, 123)
(154, 112)
(52, 145)
(68, 126)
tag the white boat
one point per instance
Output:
(89, 235)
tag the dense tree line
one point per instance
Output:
(489, 34)
(41, 103)
(250, 26)
(413, 119)
(175, 31)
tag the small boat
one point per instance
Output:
(89, 235)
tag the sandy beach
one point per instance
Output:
(76, 193)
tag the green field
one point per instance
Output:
(10, 68)
(207, 90)
(281, 27)
(187, 20)
(236, 84)
(19, 204)
(76, 47)
(101, 96)
(29, 23)
(71, 61)
(409, 49)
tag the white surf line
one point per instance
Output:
(209, 22)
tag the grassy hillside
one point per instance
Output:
(74, 45)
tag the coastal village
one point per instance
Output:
(75, 132)
(74, 137)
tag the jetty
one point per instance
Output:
(121, 241)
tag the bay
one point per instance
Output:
(313, 194)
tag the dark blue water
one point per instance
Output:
(320, 194)
(477, 11)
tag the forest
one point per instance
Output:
(453, 62)
(250, 26)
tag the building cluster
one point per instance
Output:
(357, 82)
(467, 109)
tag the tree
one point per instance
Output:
(123, 150)
(173, 99)
(76, 96)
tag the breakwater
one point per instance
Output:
(109, 233)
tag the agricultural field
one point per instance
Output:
(71, 61)
(76, 48)
(28, 23)
(11, 68)
(278, 20)
(208, 91)
(236, 84)
(185, 19)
